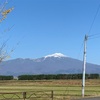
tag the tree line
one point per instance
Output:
(51, 77)
(6, 77)
(57, 77)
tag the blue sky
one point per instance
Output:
(43, 27)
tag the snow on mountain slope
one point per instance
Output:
(59, 55)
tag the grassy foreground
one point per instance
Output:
(61, 88)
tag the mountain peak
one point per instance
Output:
(58, 55)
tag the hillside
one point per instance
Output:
(52, 64)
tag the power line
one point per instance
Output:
(93, 36)
(94, 19)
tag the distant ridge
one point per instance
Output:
(56, 63)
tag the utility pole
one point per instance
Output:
(84, 65)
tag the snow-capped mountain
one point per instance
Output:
(59, 55)
(51, 64)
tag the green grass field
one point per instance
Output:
(61, 88)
